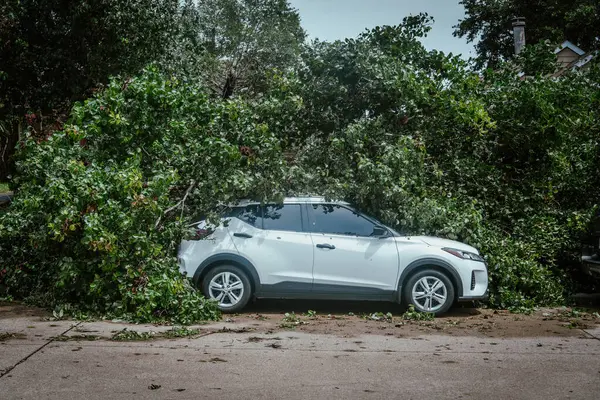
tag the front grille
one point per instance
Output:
(472, 280)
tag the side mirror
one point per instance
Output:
(380, 232)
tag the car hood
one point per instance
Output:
(439, 242)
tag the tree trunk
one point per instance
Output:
(8, 143)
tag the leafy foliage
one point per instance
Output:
(246, 38)
(414, 137)
(126, 335)
(489, 23)
(507, 165)
(379, 316)
(55, 52)
(179, 332)
(176, 332)
(291, 321)
(102, 204)
(413, 315)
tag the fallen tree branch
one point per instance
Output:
(180, 203)
(4, 150)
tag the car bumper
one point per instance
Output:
(474, 276)
(482, 297)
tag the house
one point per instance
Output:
(570, 57)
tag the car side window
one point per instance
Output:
(250, 214)
(335, 219)
(286, 217)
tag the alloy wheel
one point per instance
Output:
(227, 288)
(429, 293)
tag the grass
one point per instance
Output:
(3, 187)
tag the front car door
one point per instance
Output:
(348, 261)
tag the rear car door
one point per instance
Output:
(275, 240)
(348, 261)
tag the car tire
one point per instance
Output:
(436, 298)
(229, 286)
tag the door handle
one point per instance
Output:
(326, 246)
(242, 235)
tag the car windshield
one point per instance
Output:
(374, 220)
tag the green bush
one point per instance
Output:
(102, 205)
(507, 164)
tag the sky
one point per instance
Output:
(338, 19)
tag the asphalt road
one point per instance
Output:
(292, 365)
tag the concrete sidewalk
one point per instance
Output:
(289, 365)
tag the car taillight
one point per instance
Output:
(201, 233)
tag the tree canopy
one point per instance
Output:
(55, 50)
(488, 23)
(248, 38)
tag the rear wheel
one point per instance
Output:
(429, 291)
(229, 286)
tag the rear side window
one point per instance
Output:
(250, 214)
(286, 217)
(335, 219)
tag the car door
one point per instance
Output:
(348, 261)
(275, 240)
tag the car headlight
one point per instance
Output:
(465, 255)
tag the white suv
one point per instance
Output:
(310, 248)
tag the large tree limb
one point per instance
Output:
(180, 203)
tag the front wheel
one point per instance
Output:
(229, 286)
(429, 291)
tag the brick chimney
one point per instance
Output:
(519, 34)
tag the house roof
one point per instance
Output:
(568, 45)
(581, 62)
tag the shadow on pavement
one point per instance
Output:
(280, 306)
